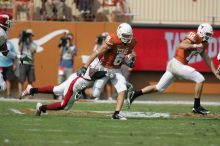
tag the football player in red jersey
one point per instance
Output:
(193, 44)
(71, 89)
(116, 47)
(5, 24)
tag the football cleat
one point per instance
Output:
(26, 92)
(200, 110)
(118, 117)
(129, 98)
(39, 109)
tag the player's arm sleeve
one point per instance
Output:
(109, 40)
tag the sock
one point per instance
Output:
(55, 106)
(46, 89)
(136, 94)
(33, 91)
(196, 102)
(116, 112)
(44, 108)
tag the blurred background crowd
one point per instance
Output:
(69, 10)
(141, 11)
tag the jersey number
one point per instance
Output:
(118, 59)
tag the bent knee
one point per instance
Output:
(96, 93)
(200, 80)
(159, 89)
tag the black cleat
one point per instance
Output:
(130, 95)
(200, 110)
(118, 117)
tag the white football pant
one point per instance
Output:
(119, 82)
(176, 69)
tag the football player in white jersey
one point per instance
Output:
(193, 44)
(5, 24)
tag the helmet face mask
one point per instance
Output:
(124, 33)
(205, 31)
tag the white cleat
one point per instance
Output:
(26, 92)
(38, 109)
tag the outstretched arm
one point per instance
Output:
(210, 64)
(186, 45)
(95, 54)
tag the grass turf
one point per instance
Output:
(67, 128)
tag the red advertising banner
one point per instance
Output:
(155, 47)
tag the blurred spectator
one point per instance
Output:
(7, 67)
(116, 11)
(67, 52)
(26, 69)
(108, 90)
(53, 10)
(86, 9)
(23, 7)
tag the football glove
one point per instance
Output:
(130, 61)
(218, 70)
(81, 71)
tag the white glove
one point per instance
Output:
(2, 83)
(218, 57)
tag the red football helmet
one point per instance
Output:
(5, 20)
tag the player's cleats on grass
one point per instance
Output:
(26, 92)
(39, 109)
(200, 110)
(118, 117)
(129, 99)
(80, 94)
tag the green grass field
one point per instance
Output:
(83, 128)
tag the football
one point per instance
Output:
(129, 60)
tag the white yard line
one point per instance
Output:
(169, 102)
(17, 111)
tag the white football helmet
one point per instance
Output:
(205, 31)
(124, 32)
